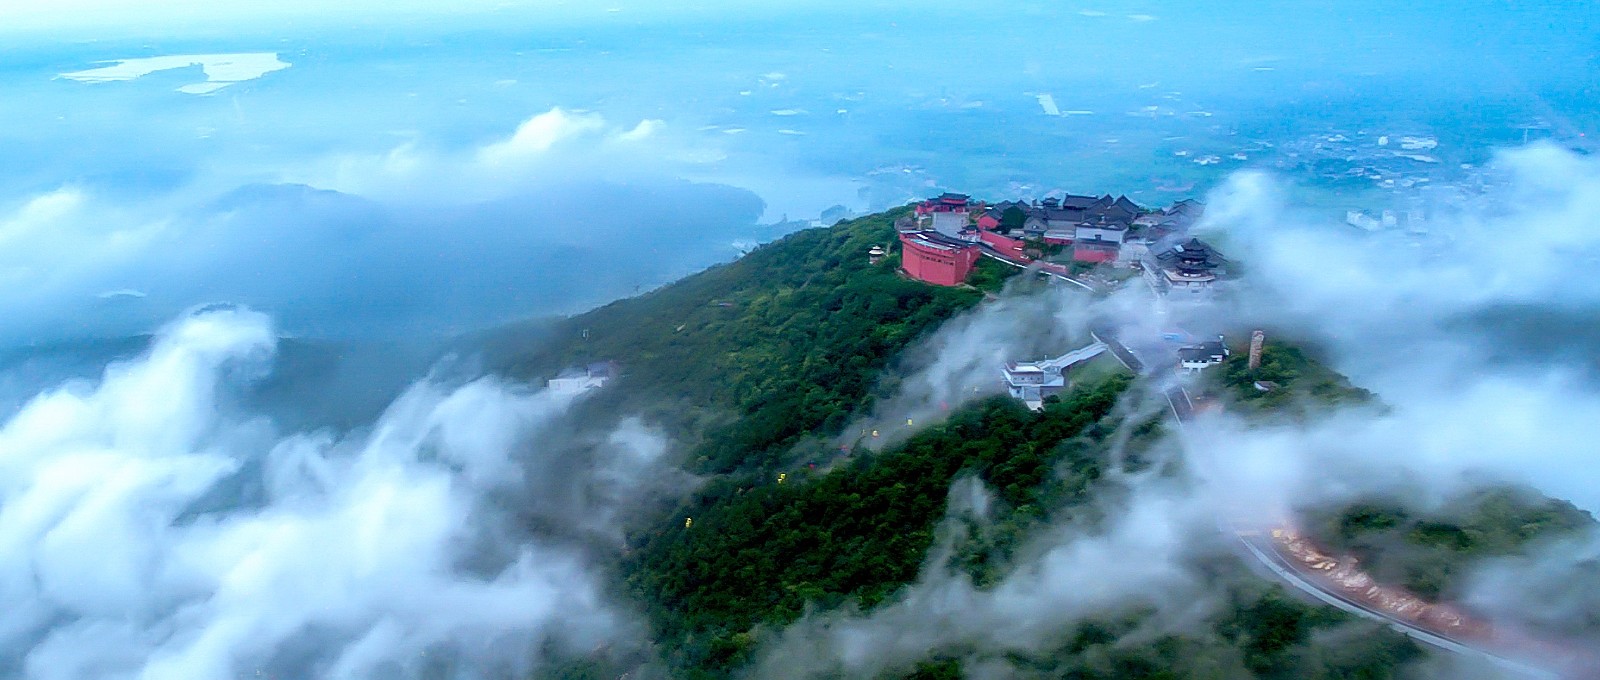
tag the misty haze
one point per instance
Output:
(802, 339)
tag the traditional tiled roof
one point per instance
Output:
(1079, 202)
(1192, 253)
(1213, 351)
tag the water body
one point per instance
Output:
(221, 70)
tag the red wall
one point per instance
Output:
(1093, 254)
(1006, 245)
(940, 267)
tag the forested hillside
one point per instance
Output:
(1288, 381)
(747, 357)
(758, 554)
(1429, 551)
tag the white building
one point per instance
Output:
(1102, 232)
(1197, 358)
(950, 223)
(1032, 381)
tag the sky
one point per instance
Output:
(298, 159)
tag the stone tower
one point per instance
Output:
(1257, 339)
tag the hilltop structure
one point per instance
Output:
(1199, 357)
(1032, 381)
(1191, 267)
(949, 232)
(949, 214)
(1096, 228)
(934, 257)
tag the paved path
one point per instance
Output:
(1118, 350)
(1267, 554)
(994, 254)
(1263, 550)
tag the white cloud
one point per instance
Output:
(498, 210)
(962, 360)
(557, 146)
(537, 134)
(40, 214)
(134, 546)
(1450, 420)
(1397, 318)
(1535, 244)
(55, 236)
(1468, 399)
(1073, 574)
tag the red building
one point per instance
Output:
(947, 214)
(945, 203)
(935, 258)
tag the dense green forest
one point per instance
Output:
(759, 554)
(1428, 551)
(748, 357)
(755, 556)
(1260, 631)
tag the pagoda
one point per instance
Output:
(1190, 267)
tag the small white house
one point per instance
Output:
(1197, 358)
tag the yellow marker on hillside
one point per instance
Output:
(874, 433)
(688, 522)
(782, 476)
(908, 421)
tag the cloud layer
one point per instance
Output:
(1069, 574)
(149, 535)
(1402, 315)
(566, 212)
(1453, 330)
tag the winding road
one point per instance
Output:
(1257, 544)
